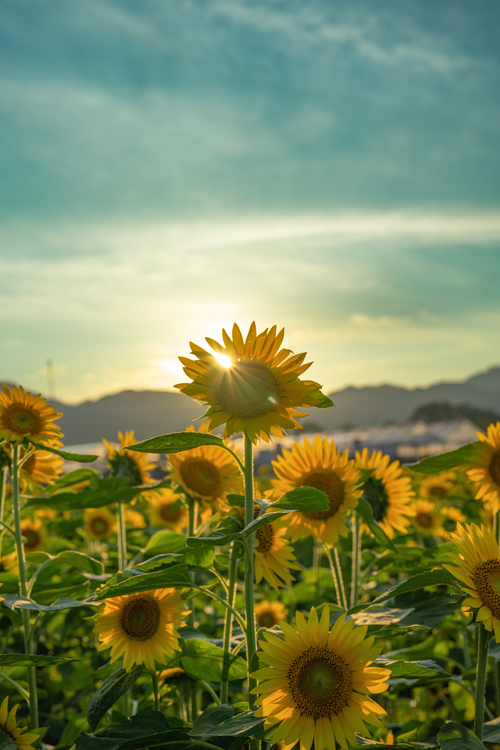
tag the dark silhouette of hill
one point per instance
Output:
(156, 412)
(443, 411)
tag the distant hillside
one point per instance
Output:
(156, 412)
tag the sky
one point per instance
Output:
(170, 167)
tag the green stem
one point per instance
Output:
(122, 537)
(154, 679)
(249, 545)
(2, 505)
(228, 624)
(483, 637)
(356, 554)
(23, 589)
(337, 575)
(18, 687)
(210, 690)
(496, 525)
(191, 532)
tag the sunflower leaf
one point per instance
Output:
(14, 601)
(82, 458)
(241, 725)
(174, 577)
(176, 442)
(446, 461)
(6, 742)
(321, 401)
(364, 509)
(412, 669)
(113, 687)
(32, 660)
(302, 499)
(419, 581)
(202, 660)
(165, 541)
(454, 736)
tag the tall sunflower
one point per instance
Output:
(273, 556)
(35, 539)
(125, 463)
(437, 487)
(8, 726)
(166, 509)
(255, 389)
(207, 472)
(268, 614)
(485, 467)
(314, 687)
(387, 490)
(427, 519)
(27, 417)
(40, 468)
(322, 466)
(141, 627)
(99, 523)
(477, 567)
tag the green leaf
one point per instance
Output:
(13, 601)
(71, 558)
(165, 541)
(419, 581)
(237, 501)
(114, 686)
(82, 458)
(390, 633)
(6, 742)
(202, 557)
(304, 499)
(32, 660)
(176, 442)
(364, 509)
(143, 730)
(410, 670)
(71, 478)
(242, 725)
(226, 532)
(174, 577)
(491, 731)
(320, 400)
(446, 461)
(262, 520)
(202, 660)
(454, 736)
(88, 498)
(210, 718)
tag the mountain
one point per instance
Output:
(157, 412)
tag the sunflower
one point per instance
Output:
(207, 472)
(35, 538)
(268, 614)
(27, 417)
(437, 487)
(166, 509)
(315, 683)
(134, 518)
(322, 466)
(387, 490)
(125, 463)
(9, 727)
(142, 627)
(40, 468)
(274, 556)
(257, 388)
(477, 567)
(485, 467)
(427, 519)
(99, 523)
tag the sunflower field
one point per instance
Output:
(325, 601)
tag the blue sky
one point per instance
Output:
(171, 167)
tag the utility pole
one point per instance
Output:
(51, 380)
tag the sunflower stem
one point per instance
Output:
(483, 638)
(156, 694)
(191, 532)
(122, 538)
(23, 589)
(356, 554)
(249, 544)
(228, 623)
(337, 575)
(2, 505)
(496, 525)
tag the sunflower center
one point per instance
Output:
(330, 483)
(265, 538)
(247, 390)
(424, 520)
(100, 526)
(487, 582)
(22, 420)
(267, 619)
(320, 682)
(438, 491)
(375, 492)
(202, 477)
(141, 618)
(33, 539)
(29, 465)
(494, 467)
(170, 511)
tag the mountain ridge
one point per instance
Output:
(152, 413)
